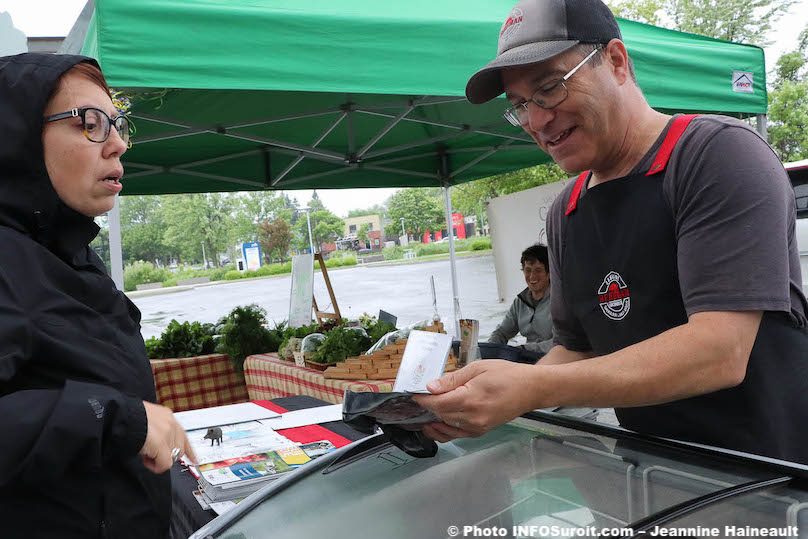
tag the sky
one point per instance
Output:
(56, 17)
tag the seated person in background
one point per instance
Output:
(530, 311)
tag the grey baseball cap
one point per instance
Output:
(537, 30)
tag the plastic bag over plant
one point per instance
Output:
(395, 336)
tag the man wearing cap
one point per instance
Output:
(677, 294)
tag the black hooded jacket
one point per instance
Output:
(73, 369)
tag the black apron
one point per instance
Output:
(621, 283)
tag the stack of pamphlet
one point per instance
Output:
(236, 460)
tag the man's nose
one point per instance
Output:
(537, 117)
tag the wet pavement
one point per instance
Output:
(402, 290)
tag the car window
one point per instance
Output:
(801, 194)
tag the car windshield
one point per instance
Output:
(529, 478)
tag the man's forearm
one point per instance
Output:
(558, 355)
(707, 354)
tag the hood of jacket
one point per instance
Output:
(28, 201)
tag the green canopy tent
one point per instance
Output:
(233, 95)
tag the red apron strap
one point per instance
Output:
(572, 203)
(678, 127)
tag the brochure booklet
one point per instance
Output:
(238, 477)
(232, 441)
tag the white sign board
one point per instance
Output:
(252, 256)
(302, 290)
(517, 221)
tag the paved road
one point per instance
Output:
(402, 290)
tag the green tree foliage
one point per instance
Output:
(646, 11)
(193, 220)
(325, 228)
(376, 209)
(275, 238)
(315, 204)
(362, 234)
(252, 209)
(100, 245)
(788, 104)
(470, 198)
(742, 21)
(420, 208)
(142, 229)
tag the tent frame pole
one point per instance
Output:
(762, 126)
(447, 204)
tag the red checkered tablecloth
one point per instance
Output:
(190, 383)
(268, 377)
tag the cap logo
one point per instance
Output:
(614, 296)
(512, 23)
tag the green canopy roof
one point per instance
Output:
(280, 94)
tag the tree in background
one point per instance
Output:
(142, 229)
(470, 198)
(646, 11)
(197, 219)
(100, 244)
(325, 228)
(315, 204)
(275, 238)
(362, 235)
(788, 104)
(252, 209)
(419, 207)
(741, 21)
(376, 209)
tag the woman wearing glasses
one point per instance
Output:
(529, 314)
(84, 452)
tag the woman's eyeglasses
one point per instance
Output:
(96, 123)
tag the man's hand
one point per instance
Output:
(477, 398)
(163, 436)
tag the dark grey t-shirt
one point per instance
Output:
(734, 214)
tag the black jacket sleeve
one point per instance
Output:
(80, 426)
(43, 432)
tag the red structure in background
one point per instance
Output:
(458, 224)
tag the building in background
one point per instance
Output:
(353, 226)
(45, 44)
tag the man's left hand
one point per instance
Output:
(477, 398)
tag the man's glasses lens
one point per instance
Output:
(551, 95)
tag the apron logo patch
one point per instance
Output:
(614, 296)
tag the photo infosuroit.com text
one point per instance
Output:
(592, 531)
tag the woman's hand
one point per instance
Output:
(163, 437)
(477, 398)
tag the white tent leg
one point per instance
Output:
(447, 202)
(762, 126)
(115, 251)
